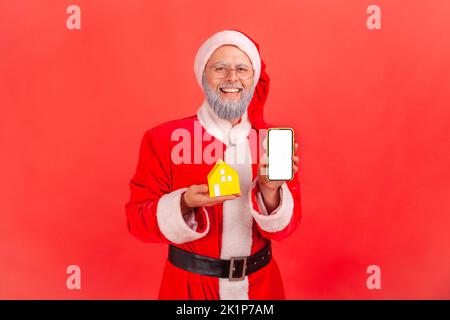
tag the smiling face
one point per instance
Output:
(228, 82)
(230, 87)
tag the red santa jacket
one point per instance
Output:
(238, 227)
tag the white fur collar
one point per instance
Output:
(222, 129)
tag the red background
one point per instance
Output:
(371, 108)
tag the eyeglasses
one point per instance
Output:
(221, 71)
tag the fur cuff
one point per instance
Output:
(171, 222)
(278, 219)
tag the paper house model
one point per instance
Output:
(223, 180)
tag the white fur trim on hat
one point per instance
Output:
(226, 37)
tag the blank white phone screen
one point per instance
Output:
(280, 154)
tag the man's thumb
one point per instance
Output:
(202, 188)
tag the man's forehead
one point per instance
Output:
(229, 51)
(225, 62)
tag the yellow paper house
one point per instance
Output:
(223, 180)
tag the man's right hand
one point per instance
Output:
(197, 195)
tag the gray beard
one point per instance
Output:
(229, 109)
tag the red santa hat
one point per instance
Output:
(255, 110)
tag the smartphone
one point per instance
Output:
(280, 148)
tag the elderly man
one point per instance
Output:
(219, 248)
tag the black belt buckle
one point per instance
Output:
(233, 268)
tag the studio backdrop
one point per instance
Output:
(364, 84)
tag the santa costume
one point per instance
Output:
(234, 228)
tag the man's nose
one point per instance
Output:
(232, 75)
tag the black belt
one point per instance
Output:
(234, 269)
